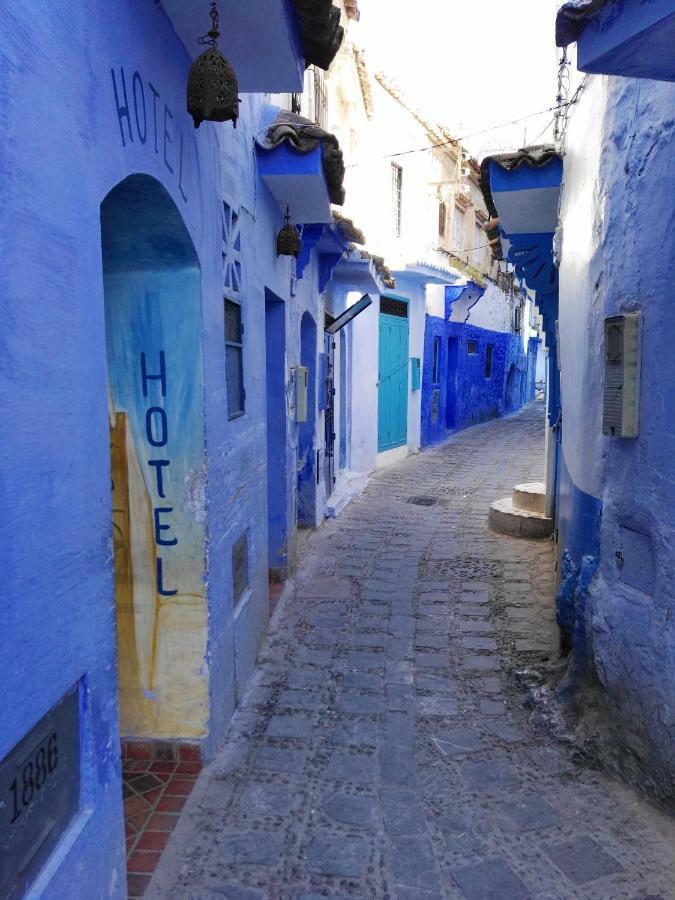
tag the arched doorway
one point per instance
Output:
(306, 462)
(153, 341)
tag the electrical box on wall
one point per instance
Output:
(621, 400)
(301, 381)
(416, 377)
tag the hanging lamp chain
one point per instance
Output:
(211, 37)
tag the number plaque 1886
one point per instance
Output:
(39, 785)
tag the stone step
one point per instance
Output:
(531, 496)
(506, 518)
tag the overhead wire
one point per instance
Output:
(460, 138)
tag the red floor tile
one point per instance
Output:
(134, 805)
(153, 840)
(171, 804)
(178, 787)
(155, 790)
(188, 768)
(139, 821)
(142, 861)
(162, 822)
(164, 766)
(189, 753)
(139, 750)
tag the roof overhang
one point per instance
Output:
(426, 273)
(357, 271)
(632, 38)
(296, 181)
(331, 242)
(302, 166)
(526, 197)
(260, 38)
(522, 189)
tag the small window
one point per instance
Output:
(442, 216)
(240, 567)
(234, 363)
(396, 195)
(517, 324)
(436, 377)
(472, 347)
(488, 361)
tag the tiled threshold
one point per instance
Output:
(155, 789)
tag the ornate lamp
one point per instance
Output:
(288, 239)
(212, 85)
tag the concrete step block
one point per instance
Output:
(530, 496)
(505, 518)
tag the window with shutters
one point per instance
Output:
(234, 361)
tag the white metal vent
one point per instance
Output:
(621, 402)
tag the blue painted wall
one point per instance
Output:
(466, 395)
(90, 97)
(618, 495)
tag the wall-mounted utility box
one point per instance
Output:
(301, 381)
(416, 373)
(621, 400)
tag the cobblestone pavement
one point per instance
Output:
(382, 751)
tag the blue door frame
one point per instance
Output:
(392, 425)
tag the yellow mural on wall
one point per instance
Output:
(160, 640)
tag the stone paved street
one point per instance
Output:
(382, 751)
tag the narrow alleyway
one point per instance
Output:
(382, 750)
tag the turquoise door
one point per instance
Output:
(392, 425)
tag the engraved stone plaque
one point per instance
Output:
(39, 795)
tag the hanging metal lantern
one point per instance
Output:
(212, 85)
(289, 241)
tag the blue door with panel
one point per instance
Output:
(392, 429)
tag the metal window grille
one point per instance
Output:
(396, 197)
(488, 361)
(392, 307)
(518, 319)
(240, 567)
(437, 361)
(234, 359)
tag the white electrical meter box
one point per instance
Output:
(621, 402)
(301, 384)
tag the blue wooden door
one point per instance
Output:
(392, 428)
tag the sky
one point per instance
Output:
(471, 65)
